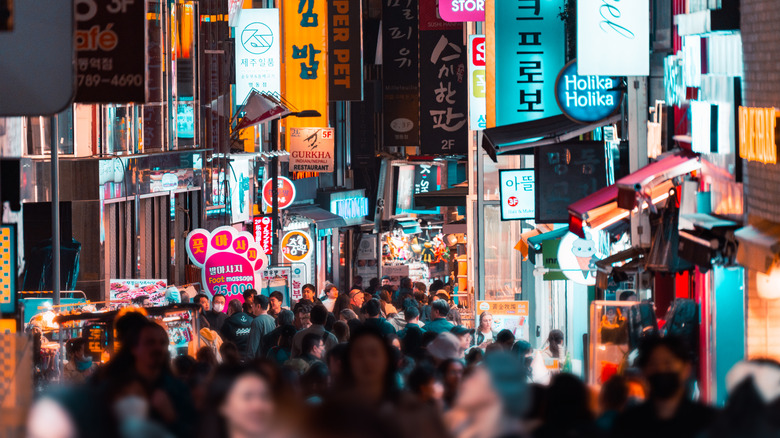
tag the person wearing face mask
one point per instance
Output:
(216, 315)
(668, 411)
(79, 366)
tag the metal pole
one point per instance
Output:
(275, 191)
(55, 211)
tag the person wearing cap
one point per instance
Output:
(443, 347)
(464, 335)
(438, 322)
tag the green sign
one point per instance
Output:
(550, 260)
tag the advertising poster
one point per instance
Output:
(312, 149)
(230, 261)
(529, 52)
(443, 84)
(305, 26)
(507, 315)
(477, 83)
(400, 63)
(345, 44)
(110, 52)
(258, 48)
(517, 194)
(127, 289)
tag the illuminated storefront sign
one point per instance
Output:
(8, 268)
(312, 149)
(350, 208)
(517, 194)
(264, 232)
(613, 37)
(528, 38)
(704, 127)
(477, 83)
(462, 10)
(345, 43)
(286, 192)
(240, 190)
(297, 246)
(258, 46)
(588, 98)
(306, 60)
(578, 257)
(757, 141)
(230, 261)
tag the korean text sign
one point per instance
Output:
(230, 261)
(613, 37)
(305, 28)
(258, 48)
(517, 194)
(528, 36)
(401, 100)
(443, 85)
(312, 149)
(345, 44)
(110, 51)
(264, 233)
(297, 246)
(477, 83)
(462, 10)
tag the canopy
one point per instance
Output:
(322, 219)
(549, 130)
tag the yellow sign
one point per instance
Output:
(507, 308)
(305, 29)
(297, 246)
(757, 134)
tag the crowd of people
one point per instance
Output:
(379, 363)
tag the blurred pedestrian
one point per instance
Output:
(318, 315)
(215, 315)
(341, 331)
(373, 318)
(80, 365)
(613, 398)
(285, 318)
(505, 339)
(438, 322)
(331, 294)
(568, 410)
(237, 326)
(262, 325)
(451, 371)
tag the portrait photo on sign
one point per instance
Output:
(6, 15)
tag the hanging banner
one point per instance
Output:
(286, 192)
(517, 194)
(477, 83)
(566, 173)
(613, 38)
(297, 246)
(401, 99)
(305, 28)
(345, 44)
(312, 149)
(529, 41)
(258, 48)
(462, 10)
(230, 261)
(443, 85)
(111, 52)
(264, 233)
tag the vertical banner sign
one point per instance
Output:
(240, 190)
(477, 83)
(230, 261)
(110, 51)
(264, 231)
(613, 37)
(566, 173)
(400, 71)
(258, 48)
(305, 28)
(311, 149)
(8, 269)
(443, 85)
(529, 53)
(345, 44)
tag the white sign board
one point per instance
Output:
(312, 149)
(477, 83)
(258, 52)
(517, 194)
(613, 37)
(240, 190)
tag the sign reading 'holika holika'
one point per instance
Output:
(586, 98)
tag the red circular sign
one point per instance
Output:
(286, 192)
(512, 201)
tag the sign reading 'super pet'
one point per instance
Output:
(230, 261)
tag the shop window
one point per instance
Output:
(120, 129)
(38, 132)
(502, 263)
(119, 239)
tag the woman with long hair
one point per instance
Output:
(485, 333)
(370, 367)
(242, 404)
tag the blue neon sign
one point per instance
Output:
(586, 98)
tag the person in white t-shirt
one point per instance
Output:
(331, 293)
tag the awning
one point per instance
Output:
(759, 245)
(632, 259)
(535, 243)
(611, 204)
(549, 130)
(408, 225)
(323, 219)
(451, 197)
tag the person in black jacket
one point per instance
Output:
(214, 315)
(237, 326)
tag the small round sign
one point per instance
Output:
(586, 98)
(297, 245)
(286, 192)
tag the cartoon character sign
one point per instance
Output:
(577, 258)
(231, 261)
